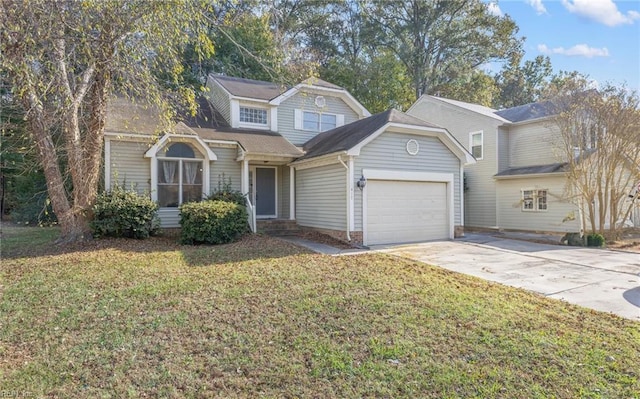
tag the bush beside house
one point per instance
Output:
(212, 222)
(123, 213)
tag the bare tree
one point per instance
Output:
(600, 141)
(64, 59)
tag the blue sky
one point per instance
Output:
(599, 38)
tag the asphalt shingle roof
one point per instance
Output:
(346, 137)
(534, 170)
(528, 111)
(250, 88)
(210, 125)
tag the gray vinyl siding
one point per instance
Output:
(220, 100)
(306, 101)
(283, 192)
(169, 217)
(532, 144)
(480, 198)
(511, 215)
(227, 166)
(321, 197)
(388, 152)
(129, 167)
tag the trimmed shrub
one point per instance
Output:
(595, 240)
(226, 193)
(124, 213)
(212, 222)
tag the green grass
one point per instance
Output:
(263, 318)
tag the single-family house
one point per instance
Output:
(519, 181)
(310, 153)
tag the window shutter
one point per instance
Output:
(297, 120)
(339, 120)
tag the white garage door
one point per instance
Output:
(406, 211)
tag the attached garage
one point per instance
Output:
(406, 211)
(401, 177)
(401, 210)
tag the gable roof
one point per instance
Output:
(528, 112)
(517, 114)
(249, 88)
(355, 134)
(477, 108)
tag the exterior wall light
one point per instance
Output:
(361, 183)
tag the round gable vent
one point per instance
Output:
(320, 102)
(413, 147)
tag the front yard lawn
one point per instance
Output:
(263, 318)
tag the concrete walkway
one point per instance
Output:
(599, 279)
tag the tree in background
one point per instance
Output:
(442, 41)
(64, 59)
(600, 136)
(522, 84)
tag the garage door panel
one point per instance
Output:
(406, 211)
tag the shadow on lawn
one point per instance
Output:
(26, 244)
(250, 247)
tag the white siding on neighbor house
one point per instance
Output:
(511, 215)
(503, 149)
(321, 197)
(480, 198)
(389, 152)
(220, 100)
(225, 166)
(533, 144)
(306, 102)
(129, 168)
(283, 192)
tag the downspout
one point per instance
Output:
(348, 180)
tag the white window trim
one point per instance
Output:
(197, 142)
(535, 200)
(180, 183)
(235, 115)
(481, 133)
(299, 119)
(254, 125)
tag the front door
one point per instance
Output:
(265, 192)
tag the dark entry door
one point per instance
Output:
(266, 192)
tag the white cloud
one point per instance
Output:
(579, 50)
(494, 9)
(538, 6)
(602, 11)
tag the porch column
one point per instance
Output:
(292, 193)
(244, 177)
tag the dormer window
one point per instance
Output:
(256, 116)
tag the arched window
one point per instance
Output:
(179, 175)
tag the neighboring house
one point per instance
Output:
(311, 153)
(519, 181)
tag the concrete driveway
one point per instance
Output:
(599, 279)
